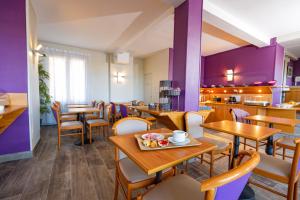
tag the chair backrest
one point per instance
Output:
(56, 112)
(93, 103)
(113, 108)
(295, 169)
(192, 123)
(129, 125)
(238, 115)
(141, 103)
(230, 185)
(107, 112)
(123, 110)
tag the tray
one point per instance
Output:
(193, 142)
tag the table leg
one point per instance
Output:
(269, 147)
(85, 139)
(236, 146)
(247, 193)
(158, 177)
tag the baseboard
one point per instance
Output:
(15, 156)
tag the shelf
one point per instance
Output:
(10, 114)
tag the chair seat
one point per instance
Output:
(150, 119)
(68, 118)
(287, 142)
(67, 113)
(180, 187)
(219, 143)
(91, 116)
(71, 125)
(132, 172)
(97, 122)
(271, 165)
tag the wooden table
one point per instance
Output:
(173, 120)
(83, 111)
(157, 160)
(79, 106)
(248, 131)
(273, 120)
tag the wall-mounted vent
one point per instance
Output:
(121, 58)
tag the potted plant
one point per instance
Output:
(45, 98)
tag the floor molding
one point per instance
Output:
(15, 156)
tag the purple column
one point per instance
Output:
(187, 53)
(13, 71)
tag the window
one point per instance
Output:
(67, 78)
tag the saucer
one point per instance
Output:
(187, 140)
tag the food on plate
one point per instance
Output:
(152, 136)
(153, 144)
(163, 143)
(146, 143)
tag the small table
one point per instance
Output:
(248, 131)
(157, 160)
(79, 106)
(83, 111)
(273, 120)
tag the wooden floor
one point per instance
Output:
(80, 172)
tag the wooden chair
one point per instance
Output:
(226, 186)
(128, 174)
(114, 112)
(105, 122)
(281, 171)
(284, 143)
(67, 127)
(96, 115)
(65, 116)
(236, 118)
(193, 120)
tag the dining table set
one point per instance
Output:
(82, 110)
(156, 160)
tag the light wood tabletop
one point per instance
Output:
(157, 160)
(79, 106)
(239, 129)
(83, 110)
(273, 120)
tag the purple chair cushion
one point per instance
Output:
(232, 190)
(123, 110)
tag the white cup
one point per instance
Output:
(2, 108)
(179, 136)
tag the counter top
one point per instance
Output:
(10, 109)
(240, 104)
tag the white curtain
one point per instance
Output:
(67, 70)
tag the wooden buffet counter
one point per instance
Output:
(173, 120)
(10, 114)
(222, 112)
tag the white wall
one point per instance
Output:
(33, 76)
(156, 68)
(129, 87)
(97, 71)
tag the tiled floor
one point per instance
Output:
(80, 172)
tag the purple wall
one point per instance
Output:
(187, 51)
(13, 71)
(249, 63)
(170, 71)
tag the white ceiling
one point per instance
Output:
(270, 18)
(141, 27)
(144, 27)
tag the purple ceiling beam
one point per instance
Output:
(187, 53)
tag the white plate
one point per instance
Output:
(187, 140)
(154, 136)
